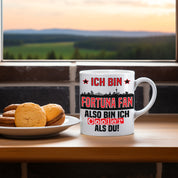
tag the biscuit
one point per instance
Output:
(11, 107)
(7, 121)
(55, 114)
(30, 115)
(10, 113)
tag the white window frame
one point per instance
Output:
(174, 60)
(1, 31)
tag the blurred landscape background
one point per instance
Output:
(90, 30)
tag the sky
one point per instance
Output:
(128, 15)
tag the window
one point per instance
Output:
(89, 29)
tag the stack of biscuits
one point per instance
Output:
(32, 115)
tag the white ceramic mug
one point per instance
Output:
(107, 102)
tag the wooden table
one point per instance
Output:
(155, 140)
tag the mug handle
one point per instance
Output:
(153, 98)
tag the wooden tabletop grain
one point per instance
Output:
(155, 140)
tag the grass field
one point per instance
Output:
(40, 50)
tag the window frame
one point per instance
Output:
(1, 30)
(117, 60)
(176, 31)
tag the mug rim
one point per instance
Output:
(106, 71)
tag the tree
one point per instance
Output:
(6, 55)
(9, 56)
(12, 56)
(86, 56)
(19, 56)
(138, 53)
(61, 56)
(51, 55)
(102, 55)
(29, 56)
(76, 54)
(36, 57)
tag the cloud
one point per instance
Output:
(168, 4)
(135, 3)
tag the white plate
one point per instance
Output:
(37, 132)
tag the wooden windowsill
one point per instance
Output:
(155, 140)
